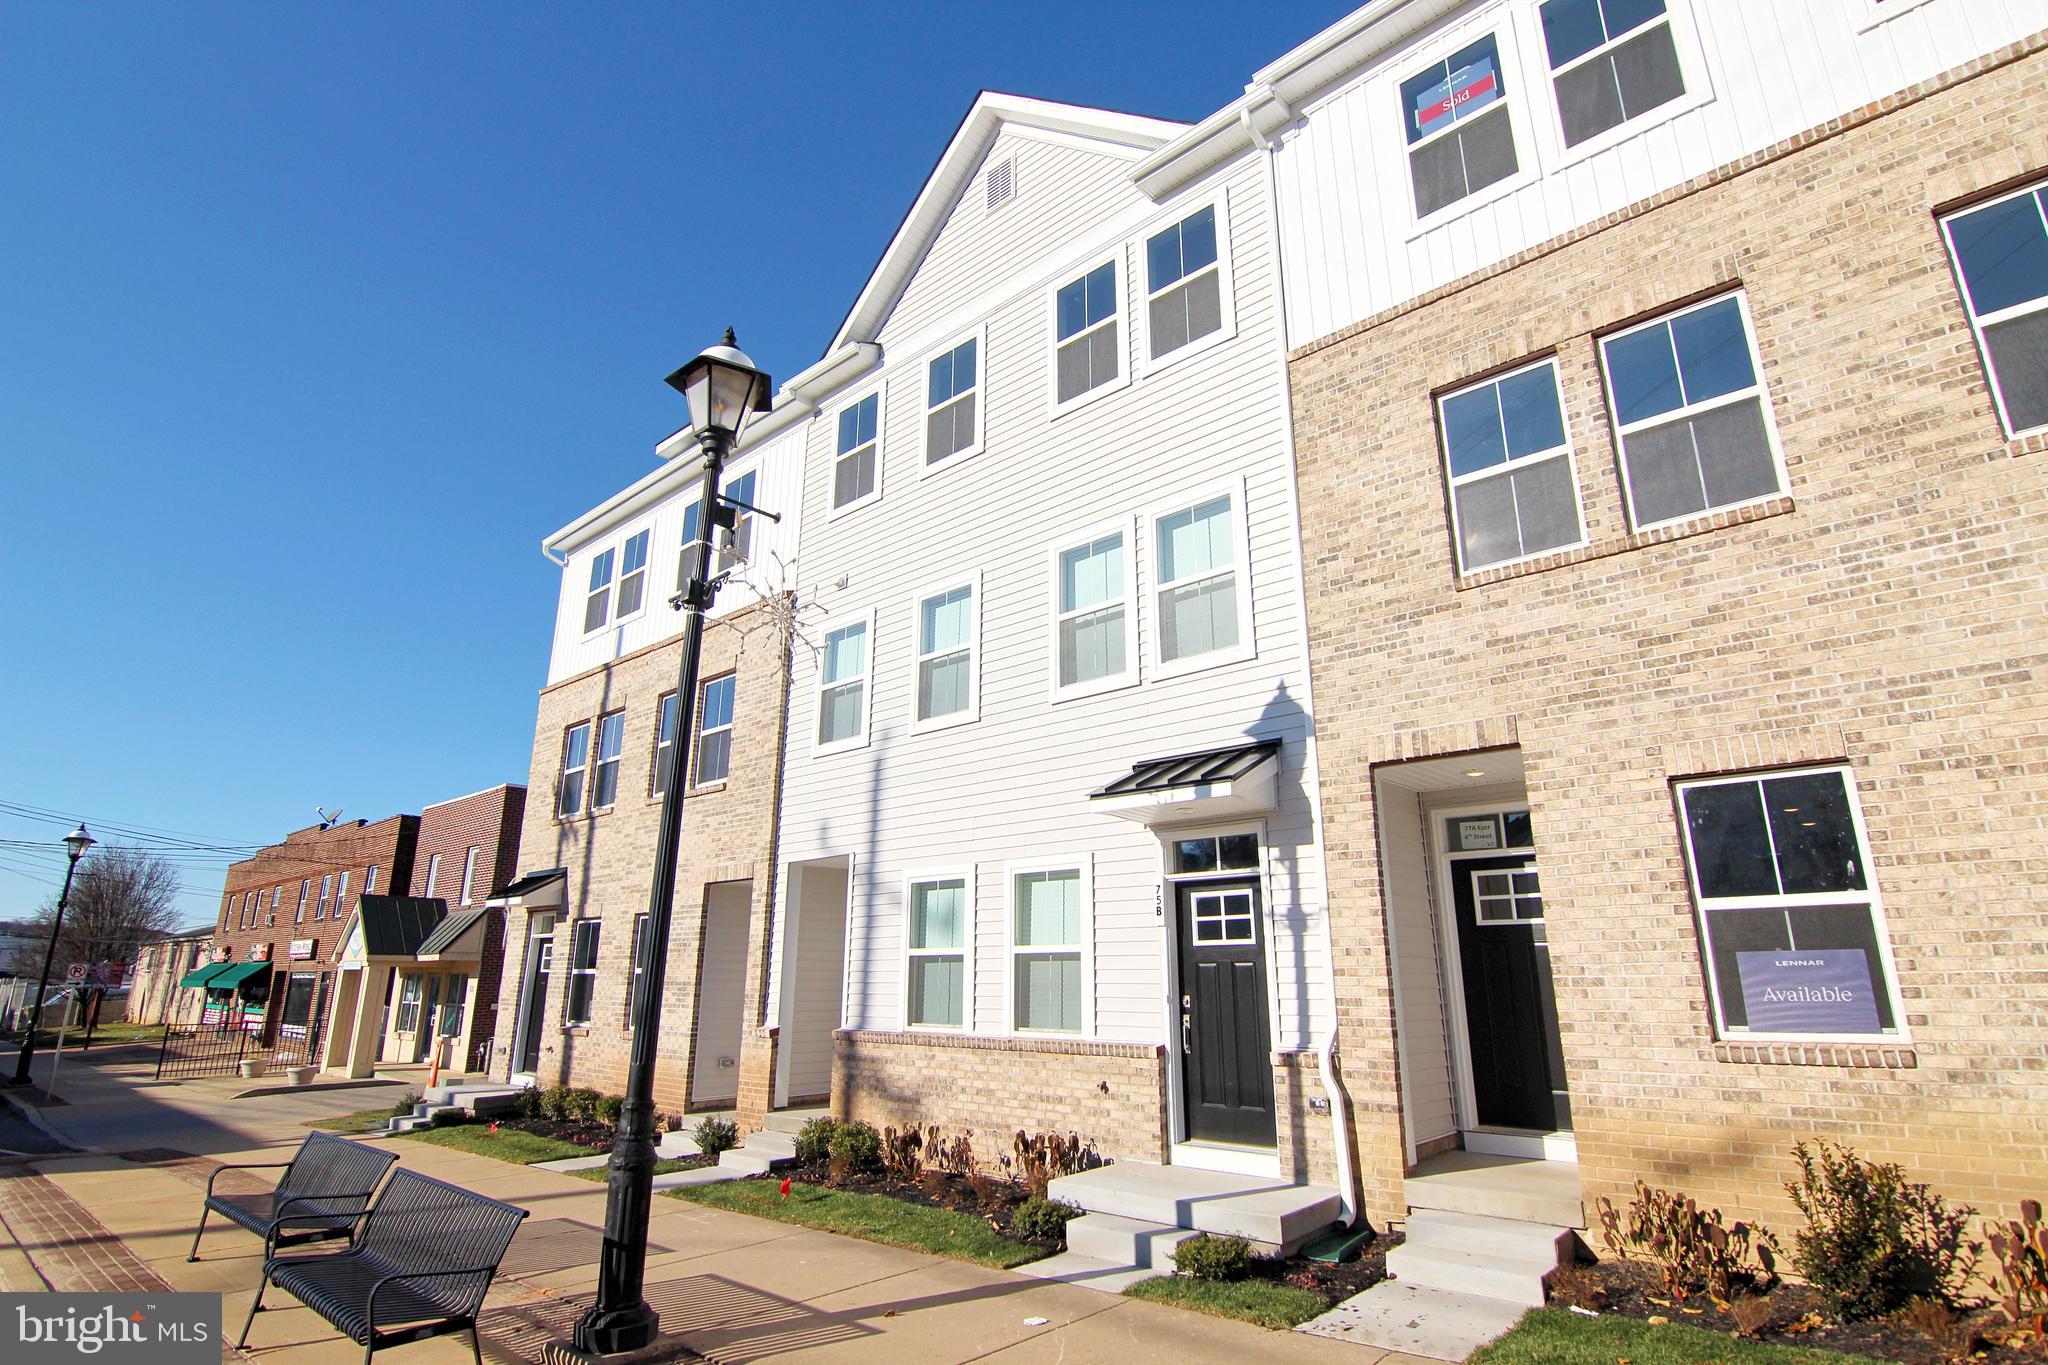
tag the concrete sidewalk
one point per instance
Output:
(732, 1288)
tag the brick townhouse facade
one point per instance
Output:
(1739, 792)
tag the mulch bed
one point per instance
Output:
(596, 1136)
(1799, 1316)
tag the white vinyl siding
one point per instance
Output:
(844, 668)
(937, 935)
(1095, 613)
(948, 626)
(1201, 599)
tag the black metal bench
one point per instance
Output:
(417, 1266)
(324, 1186)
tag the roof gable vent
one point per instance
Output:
(1001, 181)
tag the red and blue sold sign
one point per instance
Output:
(1470, 87)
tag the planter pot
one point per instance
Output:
(300, 1075)
(253, 1068)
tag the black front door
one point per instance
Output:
(541, 957)
(1226, 1063)
(1510, 1009)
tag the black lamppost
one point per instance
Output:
(724, 388)
(77, 841)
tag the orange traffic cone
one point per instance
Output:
(434, 1076)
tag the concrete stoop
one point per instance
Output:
(477, 1101)
(770, 1149)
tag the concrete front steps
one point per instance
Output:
(1496, 1258)
(1137, 1213)
(479, 1101)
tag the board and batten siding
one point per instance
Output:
(1776, 68)
(658, 504)
(1011, 788)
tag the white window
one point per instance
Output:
(2000, 251)
(611, 741)
(1095, 614)
(693, 533)
(1687, 395)
(1048, 928)
(1508, 896)
(1461, 139)
(1514, 494)
(1788, 907)
(952, 403)
(433, 873)
(276, 899)
(664, 743)
(326, 896)
(409, 990)
(305, 889)
(575, 767)
(370, 880)
(341, 896)
(1087, 314)
(856, 461)
(1186, 292)
(948, 640)
(737, 547)
(1611, 61)
(935, 937)
(582, 972)
(248, 910)
(638, 970)
(714, 730)
(843, 685)
(1203, 594)
(597, 602)
(632, 576)
(468, 875)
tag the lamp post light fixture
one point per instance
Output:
(76, 842)
(724, 389)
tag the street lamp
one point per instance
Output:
(77, 841)
(724, 388)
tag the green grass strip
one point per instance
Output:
(1258, 1301)
(1556, 1336)
(871, 1217)
(362, 1121)
(507, 1144)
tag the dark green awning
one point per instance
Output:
(199, 976)
(232, 974)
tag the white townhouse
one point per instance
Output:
(1048, 834)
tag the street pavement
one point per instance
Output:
(121, 1210)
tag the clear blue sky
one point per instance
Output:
(313, 321)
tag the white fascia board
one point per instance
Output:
(1251, 794)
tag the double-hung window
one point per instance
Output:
(952, 403)
(638, 969)
(1088, 345)
(2001, 253)
(936, 939)
(276, 899)
(856, 464)
(248, 910)
(1689, 406)
(1509, 463)
(341, 895)
(1203, 596)
(1095, 616)
(611, 739)
(714, 731)
(582, 972)
(1046, 925)
(575, 767)
(433, 873)
(326, 896)
(1460, 138)
(305, 889)
(1789, 912)
(468, 875)
(597, 603)
(843, 686)
(664, 743)
(693, 532)
(1610, 61)
(1183, 284)
(947, 631)
(409, 991)
(370, 880)
(738, 546)
(632, 576)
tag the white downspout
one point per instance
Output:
(1326, 1054)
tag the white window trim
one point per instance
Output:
(1084, 865)
(433, 874)
(1126, 526)
(926, 468)
(1979, 322)
(717, 782)
(584, 597)
(468, 875)
(1762, 394)
(867, 696)
(1529, 167)
(1876, 14)
(562, 777)
(965, 952)
(1223, 333)
(1119, 256)
(646, 572)
(972, 712)
(1692, 68)
(750, 467)
(597, 760)
(340, 895)
(1900, 1033)
(878, 392)
(1453, 482)
(571, 971)
(633, 974)
(1247, 642)
(305, 890)
(654, 765)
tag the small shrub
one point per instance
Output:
(1753, 1315)
(557, 1102)
(449, 1118)
(583, 1105)
(858, 1146)
(1043, 1220)
(528, 1103)
(1576, 1286)
(1694, 1249)
(936, 1184)
(989, 1192)
(405, 1104)
(1874, 1239)
(607, 1111)
(1209, 1257)
(903, 1153)
(814, 1141)
(1936, 1321)
(2020, 1246)
(715, 1135)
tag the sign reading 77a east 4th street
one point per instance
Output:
(1818, 990)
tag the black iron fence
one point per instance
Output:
(224, 1039)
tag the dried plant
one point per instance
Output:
(1753, 1314)
(1576, 1285)
(1695, 1249)
(956, 1155)
(2020, 1246)
(903, 1153)
(935, 1183)
(1044, 1157)
(988, 1191)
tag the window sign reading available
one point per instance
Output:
(1818, 991)
(1474, 834)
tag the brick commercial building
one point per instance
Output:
(1677, 555)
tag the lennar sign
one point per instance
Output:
(165, 1329)
(1823, 990)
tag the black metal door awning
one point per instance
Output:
(1202, 785)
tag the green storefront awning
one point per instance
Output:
(199, 976)
(231, 974)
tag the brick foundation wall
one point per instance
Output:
(1888, 612)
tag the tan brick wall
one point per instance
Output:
(1110, 1094)
(728, 835)
(1887, 612)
